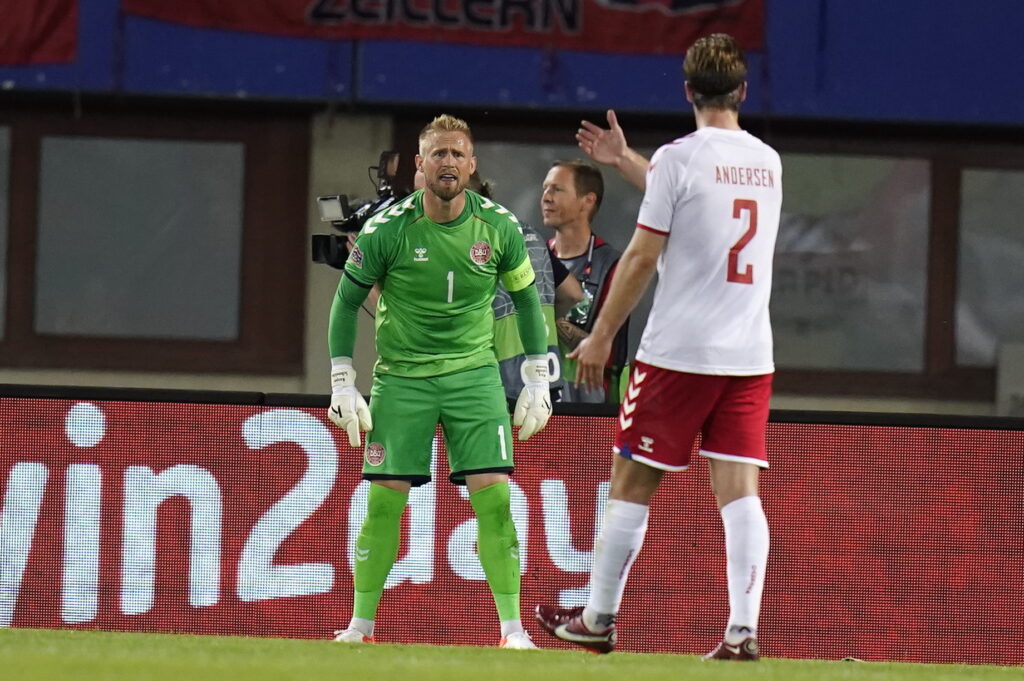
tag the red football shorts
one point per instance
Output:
(663, 411)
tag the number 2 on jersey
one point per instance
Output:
(733, 272)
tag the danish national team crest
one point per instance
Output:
(480, 252)
(375, 453)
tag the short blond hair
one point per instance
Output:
(445, 123)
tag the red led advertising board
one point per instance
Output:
(888, 542)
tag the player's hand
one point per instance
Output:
(348, 408)
(603, 146)
(591, 357)
(533, 408)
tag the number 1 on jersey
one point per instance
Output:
(451, 284)
(733, 273)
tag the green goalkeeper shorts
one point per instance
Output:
(471, 408)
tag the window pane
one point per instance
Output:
(990, 307)
(850, 265)
(139, 238)
(518, 171)
(5, 188)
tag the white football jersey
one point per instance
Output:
(717, 195)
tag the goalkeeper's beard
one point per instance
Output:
(446, 192)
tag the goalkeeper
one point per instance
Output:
(437, 257)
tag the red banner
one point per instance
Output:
(38, 32)
(888, 543)
(629, 26)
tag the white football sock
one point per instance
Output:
(363, 625)
(746, 550)
(622, 535)
(511, 627)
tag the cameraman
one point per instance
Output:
(559, 292)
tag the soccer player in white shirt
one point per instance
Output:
(707, 224)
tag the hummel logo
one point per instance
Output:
(421, 255)
(362, 554)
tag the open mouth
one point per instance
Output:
(447, 177)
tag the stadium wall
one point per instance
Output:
(894, 537)
(944, 61)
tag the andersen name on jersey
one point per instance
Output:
(718, 193)
(437, 282)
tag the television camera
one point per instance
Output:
(347, 217)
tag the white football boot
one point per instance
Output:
(518, 640)
(351, 636)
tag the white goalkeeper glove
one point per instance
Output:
(348, 408)
(533, 408)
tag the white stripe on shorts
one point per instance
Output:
(733, 457)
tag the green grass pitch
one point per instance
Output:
(31, 654)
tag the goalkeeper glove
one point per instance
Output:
(533, 408)
(348, 408)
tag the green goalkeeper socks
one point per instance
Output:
(377, 548)
(498, 547)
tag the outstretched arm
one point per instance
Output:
(609, 147)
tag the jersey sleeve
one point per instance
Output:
(559, 272)
(341, 328)
(367, 260)
(665, 177)
(515, 268)
(530, 321)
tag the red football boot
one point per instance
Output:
(744, 651)
(567, 624)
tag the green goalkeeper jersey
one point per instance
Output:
(437, 281)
